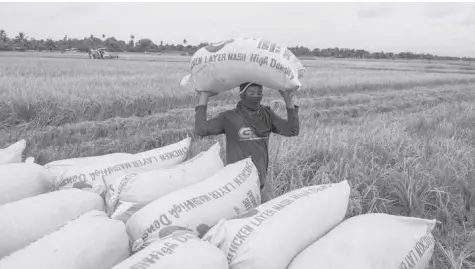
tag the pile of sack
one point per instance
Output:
(163, 208)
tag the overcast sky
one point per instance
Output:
(439, 28)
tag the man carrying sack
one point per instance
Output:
(247, 128)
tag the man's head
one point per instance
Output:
(251, 93)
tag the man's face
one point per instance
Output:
(253, 95)
(254, 91)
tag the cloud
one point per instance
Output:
(421, 11)
(469, 19)
(443, 10)
(375, 11)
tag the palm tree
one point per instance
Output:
(3, 35)
(132, 37)
(184, 44)
(21, 36)
(91, 40)
(20, 39)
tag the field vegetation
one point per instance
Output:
(402, 132)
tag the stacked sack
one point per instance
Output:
(44, 228)
(60, 225)
(91, 240)
(180, 250)
(231, 191)
(19, 180)
(57, 168)
(135, 190)
(27, 220)
(272, 234)
(22, 180)
(98, 175)
(12, 153)
(304, 228)
(203, 213)
(372, 241)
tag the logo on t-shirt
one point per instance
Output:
(246, 133)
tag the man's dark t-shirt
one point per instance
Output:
(241, 141)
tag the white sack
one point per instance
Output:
(271, 235)
(136, 190)
(97, 177)
(225, 65)
(23, 180)
(181, 250)
(12, 153)
(60, 166)
(92, 241)
(372, 241)
(25, 221)
(229, 192)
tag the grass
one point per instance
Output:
(401, 132)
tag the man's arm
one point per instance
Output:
(203, 127)
(291, 126)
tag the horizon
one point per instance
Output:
(443, 29)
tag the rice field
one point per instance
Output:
(401, 132)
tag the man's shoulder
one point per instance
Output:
(227, 112)
(206, 107)
(231, 112)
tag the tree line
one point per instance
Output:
(144, 45)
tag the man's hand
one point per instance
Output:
(288, 95)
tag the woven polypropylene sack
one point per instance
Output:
(91, 241)
(136, 190)
(57, 168)
(12, 153)
(25, 221)
(181, 250)
(372, 241)
(271, 235)
(98, 177)
(229, 192)
(23, 180)
(225, 65)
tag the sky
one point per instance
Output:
(440, 28)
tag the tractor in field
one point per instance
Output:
(101, 53)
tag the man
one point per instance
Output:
(247, 128)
